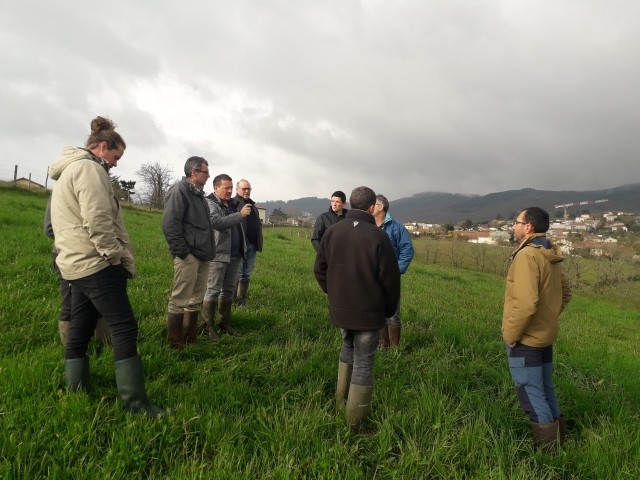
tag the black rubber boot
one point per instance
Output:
(76, 374)
(130, 380)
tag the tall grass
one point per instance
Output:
(261, 405)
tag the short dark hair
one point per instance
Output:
(538, 218)
(382, 200)
(193, 163)
(362, 198)
(217, 180)
(339, 194)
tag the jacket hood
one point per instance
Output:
(540, 241)
(69, 156)
(552, 253)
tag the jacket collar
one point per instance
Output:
(361, 215)
(537, 239)
(97, 159)
(192, 188)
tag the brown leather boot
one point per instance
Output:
(174, 330)
(190, 327)
(394, 336)
(384, 337)
(209, 315)
(241, 293)
(545, 436)
(224, 310)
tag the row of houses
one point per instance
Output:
(563, 231)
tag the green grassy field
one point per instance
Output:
(261, 405)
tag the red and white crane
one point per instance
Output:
(573, 204)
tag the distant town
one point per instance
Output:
(610, 234)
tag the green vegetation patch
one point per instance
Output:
(262, 405)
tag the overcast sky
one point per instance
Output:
(306, 97)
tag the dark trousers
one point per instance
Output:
(103, 294)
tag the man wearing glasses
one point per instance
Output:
(536, 293)
(403, 248)
(253, 230)
(188, 231)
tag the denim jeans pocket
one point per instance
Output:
(516, 362)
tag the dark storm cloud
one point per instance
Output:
(461, 96)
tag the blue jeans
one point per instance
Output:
(358, 349)
(531, 369)
(249, 263)
(102, 294)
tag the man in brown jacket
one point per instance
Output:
(356, 267)
(536, 294)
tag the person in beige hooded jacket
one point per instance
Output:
(536, 293)
(95, 256)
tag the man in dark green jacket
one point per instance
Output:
(253, 229)
(188, 231)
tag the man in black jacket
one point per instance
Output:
(253, 229)
(188, 230)
(357, 267)
(334, 215)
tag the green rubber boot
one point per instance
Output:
(130, 380)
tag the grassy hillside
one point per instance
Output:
(261, 405)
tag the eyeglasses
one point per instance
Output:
(206, 172)
(246, 189)
(516, 222)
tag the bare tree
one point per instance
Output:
(456, 252)
(479, 256)
(157, 180)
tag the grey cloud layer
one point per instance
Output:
(459, 96)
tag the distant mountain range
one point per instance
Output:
(440, 207)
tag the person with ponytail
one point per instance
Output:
(95, 256)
